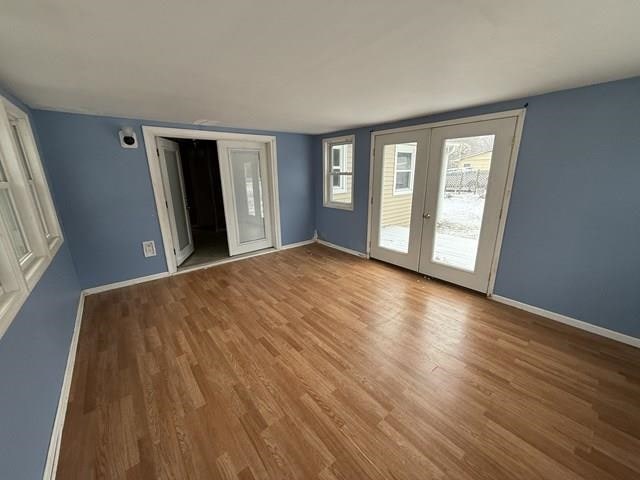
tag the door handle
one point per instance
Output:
(426, 215)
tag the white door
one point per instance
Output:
(175, 194)
(245, 191)
(400, 166)
(467, 174)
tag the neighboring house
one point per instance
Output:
(397, 189)
(480, 161)
(399, 163)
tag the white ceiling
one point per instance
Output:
(307, 66)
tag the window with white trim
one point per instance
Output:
(338, 172)
(30, 234)
(404, 167)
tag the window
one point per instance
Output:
(404, 167)
(338, 172)
(29, 229)
(29, 160)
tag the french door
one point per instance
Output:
(245, 191)
(173, 182)
(438, 196)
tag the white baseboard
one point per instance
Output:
(342, 249)
(298, 244)
(125, 283)
(56, 434)
(604, 332)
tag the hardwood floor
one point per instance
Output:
(314, 364)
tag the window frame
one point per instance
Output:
(328, 174)
(33, 206)
(44, 203)
(403, 191)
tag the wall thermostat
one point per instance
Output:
(128, 138)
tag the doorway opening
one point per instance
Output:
(203, 201)
(216, 195)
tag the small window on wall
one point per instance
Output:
(338, 172)
(29, 229)
(404, 169)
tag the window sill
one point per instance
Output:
(10, 304)
(54, 245)
(34, 272)
(402, 193)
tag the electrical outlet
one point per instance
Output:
(149, 248)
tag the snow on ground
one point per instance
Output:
(457, 231)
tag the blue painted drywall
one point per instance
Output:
(570, 243)
(33, 357)
(107, 203)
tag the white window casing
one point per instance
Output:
(338, 165)
(402, 172)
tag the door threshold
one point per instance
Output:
(222, 261)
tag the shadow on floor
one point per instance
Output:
(209, 247)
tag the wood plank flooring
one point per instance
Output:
(313, 364)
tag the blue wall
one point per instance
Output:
(33, 356)
(573, 229)
(107, 203)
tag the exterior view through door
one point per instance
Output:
(437, 198)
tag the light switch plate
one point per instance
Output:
(149, 248)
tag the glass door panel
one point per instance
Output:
(465, 164)
(398, 170)
(398, 196)
(247, 188)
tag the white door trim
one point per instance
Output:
(150, 133)
(520, 116)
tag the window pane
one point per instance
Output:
(10, 217)
(21, 154)
(340, 191)
(342, 157)
(3, 176)
(403, 180)
(403, 161)
(466, 165)
(336, 157)
(395, 210)
(43, 220)
(335, 179)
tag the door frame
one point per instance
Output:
(150, 133)
(515, 147)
